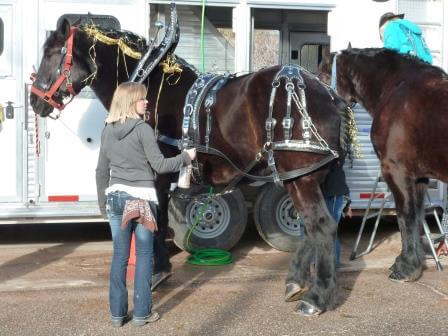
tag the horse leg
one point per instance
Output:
(317, 289)
(409, 201)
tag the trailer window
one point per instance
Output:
(104, 21)
(311, 55)
(219, 39)
(2, 36)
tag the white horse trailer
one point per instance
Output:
(48, 166)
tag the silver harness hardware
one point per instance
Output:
(206, 87)
(170, 40)
(291, 73)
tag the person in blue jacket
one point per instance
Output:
(404, 36)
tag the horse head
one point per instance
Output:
(75, 57)
(61, 72)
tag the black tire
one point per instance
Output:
(276, 219)
(223, 223)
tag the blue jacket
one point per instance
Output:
(406, 37)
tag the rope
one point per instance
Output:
(202, 37)
(206, 257)
(156, 108)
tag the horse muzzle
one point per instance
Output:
(40, 107)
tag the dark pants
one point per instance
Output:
(335, 205)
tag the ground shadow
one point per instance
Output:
(68, 237)
(31, 262)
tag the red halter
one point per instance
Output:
(65, 76)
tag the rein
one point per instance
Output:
(283, 176)
(65, 76)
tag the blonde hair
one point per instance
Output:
(124, 102)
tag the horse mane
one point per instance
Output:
(393, 58)
(53, 39)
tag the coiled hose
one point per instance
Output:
(206, 257)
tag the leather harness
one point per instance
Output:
(207, 85)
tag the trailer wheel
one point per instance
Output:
(223, 221)
(276, 219)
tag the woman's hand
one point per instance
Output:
(347, 211)
(191, 153)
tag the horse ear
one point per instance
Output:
(349, 47)
(64, 28)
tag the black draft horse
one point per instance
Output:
(238, 130)
(408, 101)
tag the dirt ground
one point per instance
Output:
(59, 286)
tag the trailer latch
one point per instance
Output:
(9, 110)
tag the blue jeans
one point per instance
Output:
(118, 294)
(335, 205)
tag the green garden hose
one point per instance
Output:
(202, 37)
(206, 257)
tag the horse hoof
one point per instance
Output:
(397, 277)
(393, 268)
(294, 292)
(307, 309)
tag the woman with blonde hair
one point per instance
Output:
(128, 157)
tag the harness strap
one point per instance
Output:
(288, 122)
(333, 81)
(208, 104)
(271, 122)
(231, 186)
(282, 176)
(289, 73)
(208, 128)
(270, 126)
(193, 102)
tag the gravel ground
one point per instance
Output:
(61, 288)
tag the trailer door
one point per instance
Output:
(70, 144)
(11, 90)
(307, 49)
